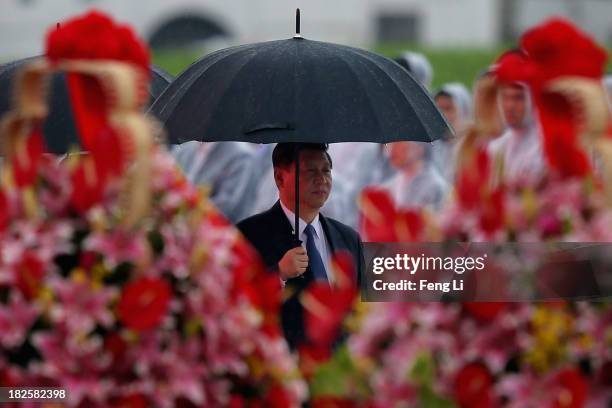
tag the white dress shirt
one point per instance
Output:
(319, 237)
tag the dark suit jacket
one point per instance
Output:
(271, 234)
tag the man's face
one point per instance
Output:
(448, 109)
(315, 180)
(405, 154)
(513, 100)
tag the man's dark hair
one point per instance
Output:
(283, 154)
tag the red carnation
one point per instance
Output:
(572, 389)
(144, 303)
(473, 385)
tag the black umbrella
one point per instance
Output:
(59, 128)
(297, 90)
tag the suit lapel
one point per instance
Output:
(282, 230)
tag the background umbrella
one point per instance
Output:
(297, 90)
(59, 128)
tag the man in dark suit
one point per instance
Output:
(271, 232)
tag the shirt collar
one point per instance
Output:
(316, 222)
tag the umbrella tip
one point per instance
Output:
(297, 24)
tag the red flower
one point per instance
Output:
(28, 156)
(549, 225)
(237, 401)
(8, 377)
(263, 289)
(333, 402)
(144, 303)
(472, 181)
(311, 357)
(87, 186)
(485, 312)
(88, 259)
(325, 307)
(109, 153)
(383, 222)
(604, 375)
(4, 211)
(514, 66)
(130, 401)
(560, 128)
(475, 193)
(552, 50)
(95, 36)
(473, 385)
(115, 344)
(276, 397)
(573, 389)
(557, 48)
(492, 211)
(29, 273)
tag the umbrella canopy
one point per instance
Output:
(59, 128)
(297, 90)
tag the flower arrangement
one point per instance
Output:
(119, 282)
(496, 354)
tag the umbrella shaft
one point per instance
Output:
(297, 194)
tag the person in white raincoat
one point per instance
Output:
(519, 148)
(417, 182)
(222, 166)
(455, 103)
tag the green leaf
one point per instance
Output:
(339, 378)
(423, 370)
(429, 399)
(330, 378)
